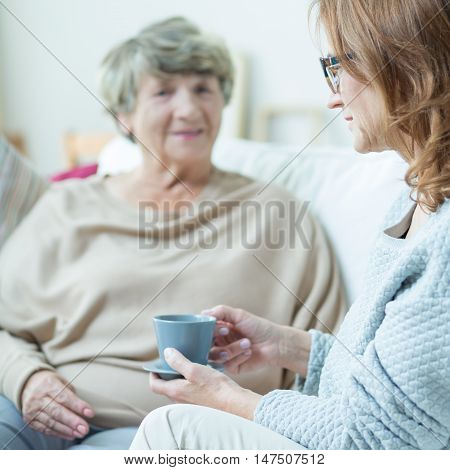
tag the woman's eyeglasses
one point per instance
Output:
(331, 66)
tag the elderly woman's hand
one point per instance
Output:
(244, 342)
(204, 386)
(48, 409)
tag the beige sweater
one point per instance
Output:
(75, 276)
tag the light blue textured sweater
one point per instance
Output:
(384, 381)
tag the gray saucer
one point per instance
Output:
(167, 374)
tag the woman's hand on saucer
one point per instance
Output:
(204, 386)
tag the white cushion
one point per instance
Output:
(349, 193)
(117, 156)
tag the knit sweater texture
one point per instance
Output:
(384, 381)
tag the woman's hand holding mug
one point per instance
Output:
(244, 342)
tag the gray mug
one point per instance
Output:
(190, 334)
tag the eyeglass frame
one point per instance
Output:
(330, 64)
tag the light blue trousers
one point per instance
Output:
(14, 438)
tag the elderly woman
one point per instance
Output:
(384, 381)
(82, 276)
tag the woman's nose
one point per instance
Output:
(185, 106)
(335, 101)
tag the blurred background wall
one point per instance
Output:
(50, 50)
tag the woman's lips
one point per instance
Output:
(187, 134)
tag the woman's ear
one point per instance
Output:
(124, 123)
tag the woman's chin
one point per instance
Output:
(188, 158)
(361, 144)
(364, 147)
(361, 147)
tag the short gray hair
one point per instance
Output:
(171, 46)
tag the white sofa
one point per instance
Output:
(349, 193)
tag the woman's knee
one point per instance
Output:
(165, 427)
(11, 424)
(163, 415)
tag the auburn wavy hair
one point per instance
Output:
(402, 48)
